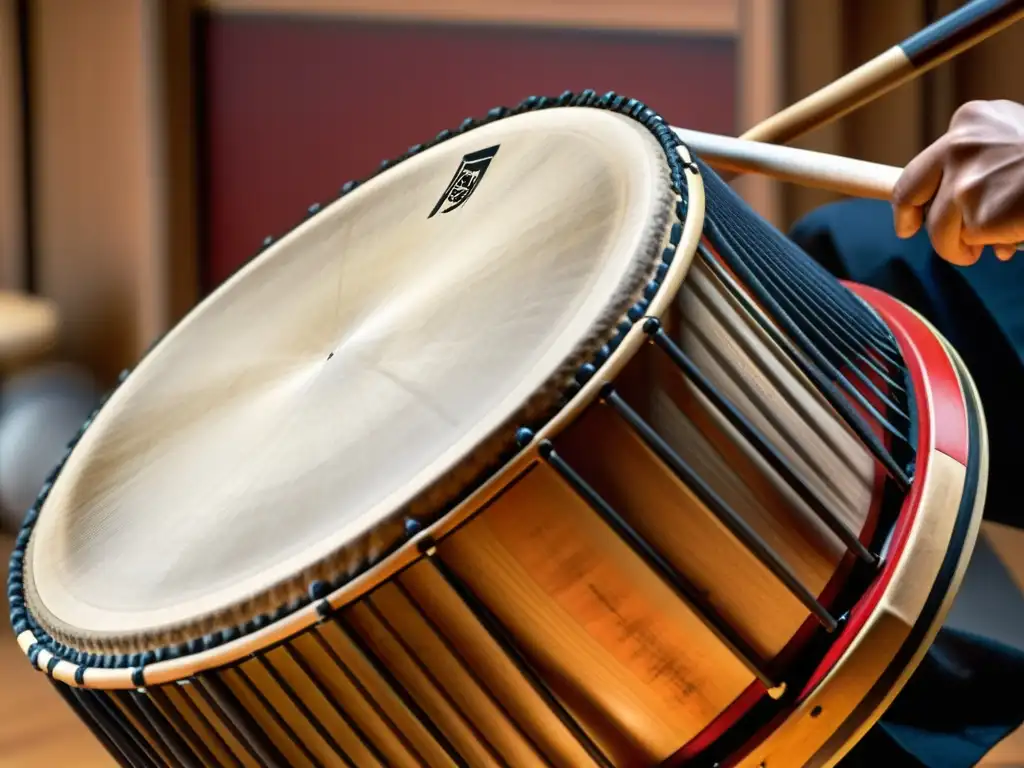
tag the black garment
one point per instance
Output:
(967, 694)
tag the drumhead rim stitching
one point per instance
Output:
(22, 618)
(418, 543)
(637, 228)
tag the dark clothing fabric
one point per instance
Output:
(966, 695)
(961, 702)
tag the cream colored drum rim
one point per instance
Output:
(102, 670)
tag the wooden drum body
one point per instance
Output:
(682, 498)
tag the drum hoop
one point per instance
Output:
(951, 412)
(174, 662)
(947, 405)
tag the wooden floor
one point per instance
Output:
(1008, 544)
(37, 730)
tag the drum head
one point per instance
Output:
(372, 364)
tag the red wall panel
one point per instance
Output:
(291, 108)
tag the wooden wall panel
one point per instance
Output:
(992, 70)
(37, 728)
(694, 16)
(295, 106)
(100, 181)
(759, 91)
(177, 116)
(823, 42)
(12, 204)
(891, 129)
(812, 60)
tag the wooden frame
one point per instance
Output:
(98, 188)
(110, 165)
(760, 89)
(12, 203)
(703, 16)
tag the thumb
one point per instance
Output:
(916, 186)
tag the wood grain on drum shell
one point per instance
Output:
(930, 547)
(787, 407)
(621, 582)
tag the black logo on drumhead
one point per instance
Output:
(465, 181)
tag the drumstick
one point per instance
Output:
(922, 51)
(844, 175)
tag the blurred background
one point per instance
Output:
(147, 147)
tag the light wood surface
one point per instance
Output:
(835, 173)
(760, 85)
(816, 169)
(873, 79)
(37, 730)
(12, 203)
(887, 116)
(799, 738)
(802, 735)
(57, 738)
(99, 177)
(867, 82)
(28, 328)
(707, 16)
(1008, 544)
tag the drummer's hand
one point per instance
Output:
(968, 186)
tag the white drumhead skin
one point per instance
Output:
(362, 357)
